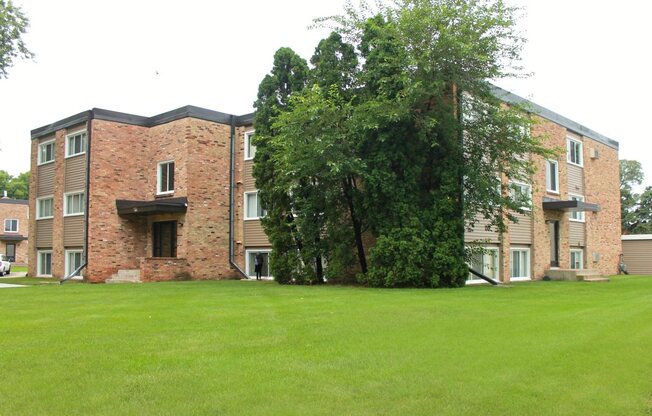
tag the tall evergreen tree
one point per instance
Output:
(414, 140)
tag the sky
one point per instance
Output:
(589, 61)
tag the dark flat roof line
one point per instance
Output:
(14, 201)
(115, 116)
(247, 119)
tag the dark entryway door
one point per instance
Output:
(554, 243)
(10, 251)
(165, 239)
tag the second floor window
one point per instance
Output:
(46, 152)
(522, 194)
(44, 208)
(250, 149)
(574, 152)
(552, 176)
(74, 204)
(253, 208)
(11, 225)
(75, 143)
(165, 178)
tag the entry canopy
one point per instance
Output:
(569, 205)
(157, 206)
(12, 237)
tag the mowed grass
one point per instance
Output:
(258, 348)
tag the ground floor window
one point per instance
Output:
(44, 263)
(577, 259)
(520, 263)
(10, 252)
(485, 263)
(73, 261)
(164, 239)
(251, 261)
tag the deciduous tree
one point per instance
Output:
(13, 25)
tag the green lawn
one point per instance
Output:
(252, 348)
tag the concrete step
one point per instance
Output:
(125, 276)
(574, 274)
(596, 279)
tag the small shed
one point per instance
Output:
(637, 253)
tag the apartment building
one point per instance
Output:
(173, 197)
(14, 214)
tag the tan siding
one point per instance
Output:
(73, 231)
(254, 234)
(248, 177)
(575, 180)
(479, 232)
(44, 233)
(576, 234)
(521, 232)
(637, 256)
(45, 186)
(75, 179)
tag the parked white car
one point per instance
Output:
(5, 265)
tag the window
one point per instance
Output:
(44, 208)
(164, 239)
(520, 263)
(576, 215)
(552, 176)
(46, 152)
(577, 259)
(44, 263)
(485, 263)
(73, 261)
(165, 178)
(251, 254)
(574, 151)
(253, 209)
(75, 143)
(521, 193)
(250, 149)
(73, 204)
(11, 226)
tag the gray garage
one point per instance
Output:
(637, 253)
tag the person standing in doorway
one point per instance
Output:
(258, 265)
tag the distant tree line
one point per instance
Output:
(635, 208)
(17, 187)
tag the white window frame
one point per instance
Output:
(39, 263)
(159, 167)
(473, 278)
(528, 261)
(248, 146)
(40, 152)
(263, 212)
(529, 193)
(82, 201)
(576, 216)
(67, 262)
(249, 267)
(10, 221)
(577, 251)
(39, 214)
(72, 136)
(549, 168)
(578, 151)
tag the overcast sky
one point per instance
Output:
(590, 61)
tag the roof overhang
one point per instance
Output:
(569, 205)
(157, 206)
(12, 237)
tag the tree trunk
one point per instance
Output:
(357, 226)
